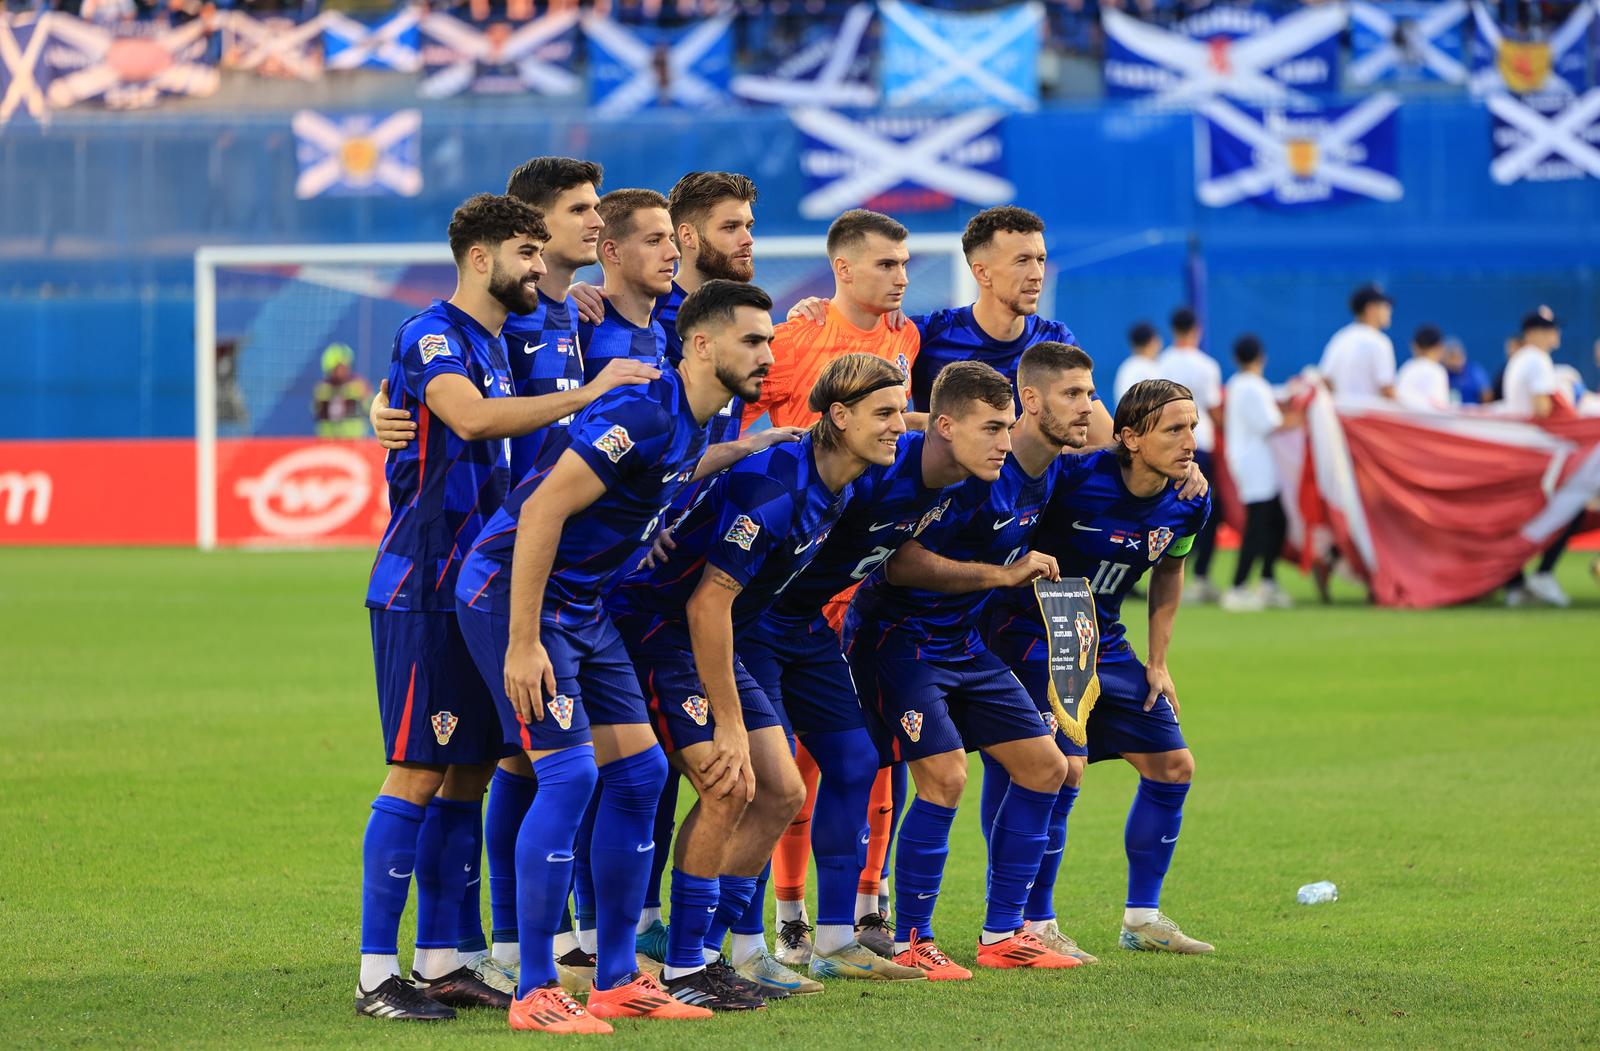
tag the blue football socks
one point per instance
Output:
(388, 857)
(1150, 837)
(1042, 898)
(1016, 846)
(919, 866)
(544, 857)
(849, 765)
(509, 798)
(694, 903)
(444, 844)
(621, 854)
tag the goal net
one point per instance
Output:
(291, 339)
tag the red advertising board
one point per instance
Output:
(296, 492)
(97, 492)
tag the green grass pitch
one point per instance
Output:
(191, 744)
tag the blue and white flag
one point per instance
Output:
(24, 77)
(499, 58)
(1557, 63)
(1296, 159)
(1545, 138)
(1231, 52)
(389, 44)
(1407, 40)
(358, 154)
(272, 46)
(131, 67)
(834, 70)
(951, 60)
(900, 164)
(631, 69)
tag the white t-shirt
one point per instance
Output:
(1423, 384)
(1250, 415)
(1132, 371)
(1529, 372)
(1358, 361)
(1198, 371)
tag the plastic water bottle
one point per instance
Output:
(1317, 893)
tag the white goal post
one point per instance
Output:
(288, 302)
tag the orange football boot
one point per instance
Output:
(1023, 950)
(926, 955)
(551, 1009)
(641, 998)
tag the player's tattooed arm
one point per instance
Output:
(723, 455)
(394, 427)
(917, 567)
(710, 614)
(1166, 590)
(570, 487)
(455, 400)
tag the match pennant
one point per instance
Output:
(1073, 635)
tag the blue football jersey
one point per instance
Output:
(888, 506)
(644, 443)
(953, 335)
(1096, 529)
(617, 337)
(987, 522)
(442, 488)
(545, 358)
(761, 522)
(724, 426)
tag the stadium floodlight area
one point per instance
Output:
(264, 315)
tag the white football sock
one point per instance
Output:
(586, 941)
(377, 969)
(508, 954)
(711, 955)
(646, 918)
(900, 947)
(988, 937)
(1139, 917)
(565, 942)
(435, 963)
(831, 937)
(669, 972)
(866, 904)
(748, 947)
(791, 910)
(1035, 926)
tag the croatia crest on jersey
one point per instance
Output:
(1159, 539)
(933, 515)
(560, 706)
(1050, 722)
(1085, 629)
(444, 724)
(743, 532)
(903, 365)
(911, 722)
(615, 443)
(696, 708)
(433, 346)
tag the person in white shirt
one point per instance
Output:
(1358, 361)
(1144, 344)
(1251, 416)
(1184, 362)
(1423, 383)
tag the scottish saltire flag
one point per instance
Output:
(1526, 64)
(1545, 138)
(1231, 52)
(273, 46)
(945, 59)
(24, 77)
(132, 66)
(633, 68)
(900, 164)
(392, 43)
(1408, 41)
(358, 154)
(499, 58)
(1296, 159)
(834, 69)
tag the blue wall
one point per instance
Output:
(101, 215)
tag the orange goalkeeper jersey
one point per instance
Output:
(801, 349)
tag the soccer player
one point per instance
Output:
(795, 655)
(1109, 522)
(745, 538)
(529, 602)
(932, 690)
(638, 254)
(1187, 365)
(449, 369)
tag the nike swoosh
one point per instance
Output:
(401, 875)
(1087, 529)
(1162, 941)
(466, 868)
(530, 348)
(924, 897)
(644, 848)
(1164, 839)
(557, 857)
(875, 528)
(802, 548)
(472, 882)
(1002, 525)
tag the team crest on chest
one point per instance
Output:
(444, 724)
(560, 706)
(433, 346)
(911, 722)
(1159, 539)
(933, 515)
(903, 365)
(697, 709)
(615, 443)
(743, 532)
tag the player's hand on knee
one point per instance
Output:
(727, 769)
(394, 427)
(812, 308)
(1160, 681)
(591, 302)
(620, 372)
(529, 676)
(1194, 485)
(1031, 567)
(662, 546)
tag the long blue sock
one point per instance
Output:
(582, 869)
(733, 898)
(544, 857)
(694, 904)
(469, 930)
(849, 765)
(443, 847)
(753, 919)
(1042, 898)
(899, 789)
(666, 820)
(1016, 846)
(620, 855)
(509, 798)
(1150, 837)
(388, 857)
(995, 783)
(919, 865)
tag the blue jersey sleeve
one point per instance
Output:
(757, 514)
(1191, 527)
(621, 435)
(426, 352)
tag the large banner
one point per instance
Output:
(358, 154)
(1526, 63)
(634, 68)
(132, 65)
(391, 43)
(499, 58)
(297, 491)
(97, 492)
(1234, 52)
(950, 60)
(1545, 138)
(1407, 41)
(24, 77)
(833, 68)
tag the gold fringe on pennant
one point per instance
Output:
(1077, 729)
